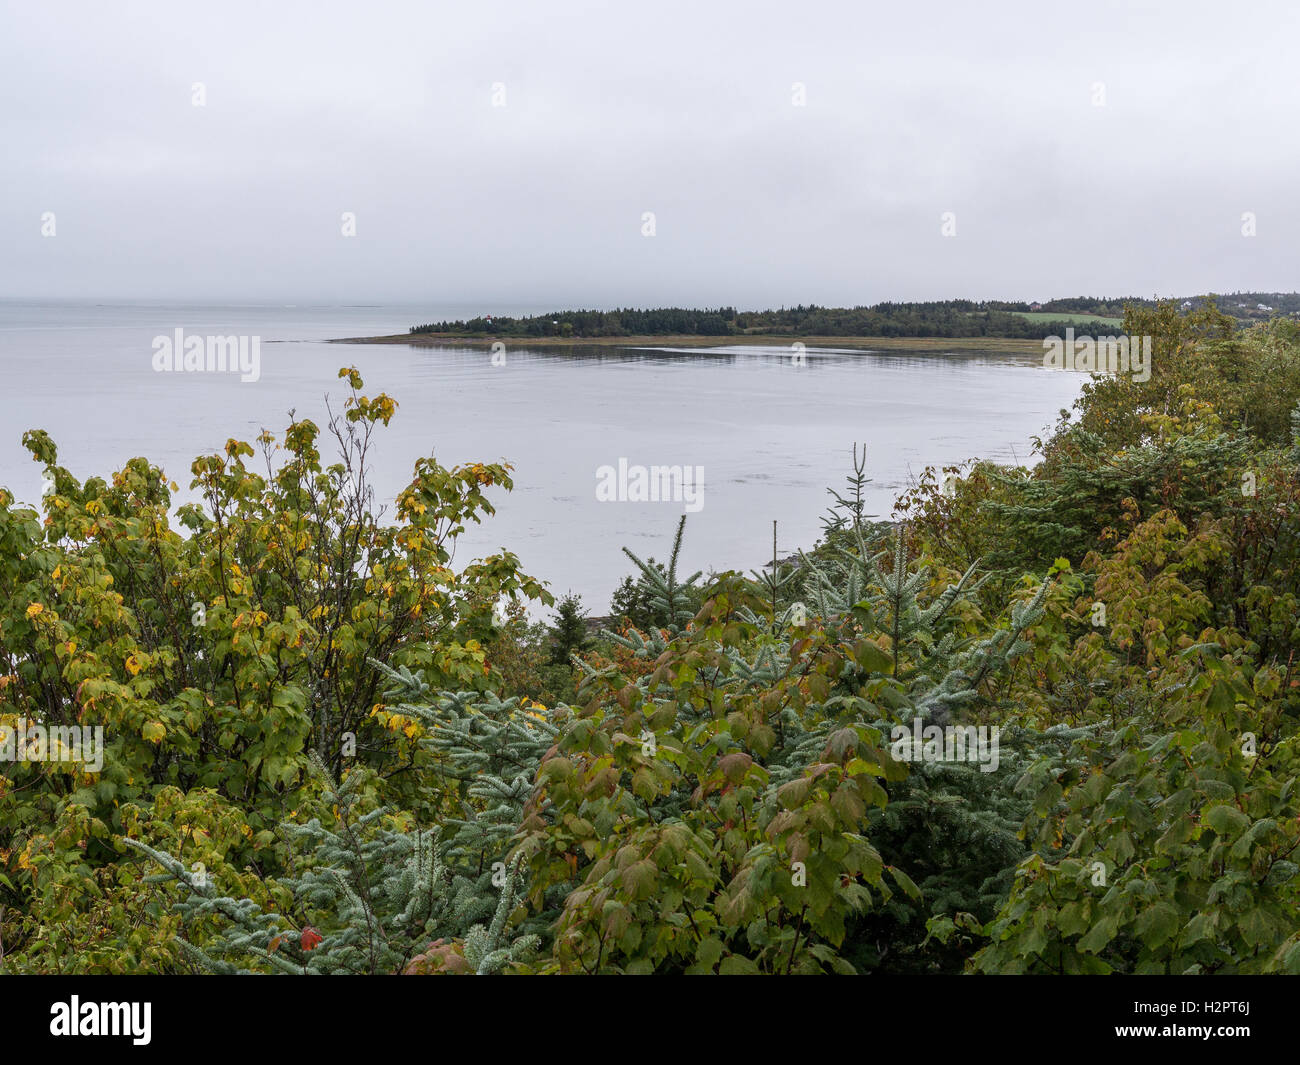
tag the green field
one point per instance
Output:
(1069, 319)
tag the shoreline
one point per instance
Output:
(996, 345)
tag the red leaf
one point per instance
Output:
(310, 938)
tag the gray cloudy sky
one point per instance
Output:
(684, 109)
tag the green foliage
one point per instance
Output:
(849, 511)
(382, 894)
(1180, 861)
(217, 661)
(569, 630)
(658, 598)
(719, 813)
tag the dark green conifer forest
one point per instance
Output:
(933, 318)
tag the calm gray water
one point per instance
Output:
(770, 435)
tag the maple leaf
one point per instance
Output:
(310, 938)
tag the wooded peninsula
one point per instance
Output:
(962, 320)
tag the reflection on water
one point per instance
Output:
(770, 433)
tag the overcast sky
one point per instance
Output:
(1084, 149)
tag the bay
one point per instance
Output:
(770, 434)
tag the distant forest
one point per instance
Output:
(941, 318)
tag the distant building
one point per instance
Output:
(1035, 306)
